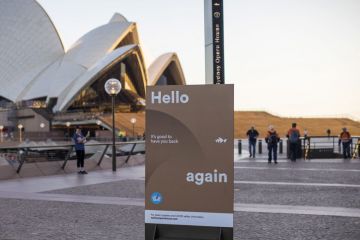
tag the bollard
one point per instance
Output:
(239, 146)
(281, 147)
(339, 147)
(260, 146)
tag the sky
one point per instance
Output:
(287, 57)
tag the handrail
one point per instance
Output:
(70, 144)
(23, 150)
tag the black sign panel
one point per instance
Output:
(218, 41)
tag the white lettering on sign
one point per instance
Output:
(173, 98)
(201, 178)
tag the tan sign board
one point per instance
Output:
(189, 155)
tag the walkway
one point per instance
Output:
(317, 199)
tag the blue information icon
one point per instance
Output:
(156, 198)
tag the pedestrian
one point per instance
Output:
(252, 134)
(305, 133)
(79, 141)
(328, 132)
(272, 139)
(345, 139)
(356, 149)
(293, 136)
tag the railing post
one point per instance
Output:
(103, 154)
(67, 157)
(239, 146)
(307, 148)
(22, 160)
(281, 146)
(260, 146)
(340, 147)
(131, 152)
(304, 148)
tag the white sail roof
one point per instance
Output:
(89, 49)
(34, 65)
(65, 99)
(159, 66)
(29, 43)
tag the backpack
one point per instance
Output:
(273, 139)
(294, 136)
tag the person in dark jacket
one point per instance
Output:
(345, 139)
(79, 141)
(272, 139)
(252, 135)
(293, 136)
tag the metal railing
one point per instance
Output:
(243, 144)
(308, 146)
(17, 156)
(330, 144)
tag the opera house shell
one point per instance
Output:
(36, 72)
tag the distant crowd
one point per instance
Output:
(293, 135)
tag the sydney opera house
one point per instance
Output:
(41, 82)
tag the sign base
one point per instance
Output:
(177, 232)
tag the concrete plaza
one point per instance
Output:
(316, 199)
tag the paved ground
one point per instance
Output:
(317, 199)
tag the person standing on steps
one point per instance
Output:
(272, 139)
(79, 141)
(252, 135)
(293, 136)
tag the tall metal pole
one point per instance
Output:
(113, 128)
(214, 42)
(20, 135)
(134, 130)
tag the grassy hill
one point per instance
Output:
(261, 120)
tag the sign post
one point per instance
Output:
(189, 162)
(214, 42)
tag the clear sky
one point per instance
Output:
(289, 57)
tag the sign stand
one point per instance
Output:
(159, 232)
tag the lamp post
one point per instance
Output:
(113, 87)
(68, 128)
(20, 127)
(133, 121)
(1, 133)
(98, 122)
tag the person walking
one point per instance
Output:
(293, 136)
(79, 141)
(252, 135)
(345, 139)
(272, 139)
